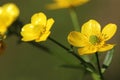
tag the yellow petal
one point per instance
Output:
(79, 2)
(8, 13)
(6, 21)
(39, 19)
(77, 39)
(108, 31)
(92, 27)
(106, 48)
(1, 10)
(43, 37)
(11, 10)
(58, 4)
(87, 50)
(3, 30)
(30, 32)
(49, 24)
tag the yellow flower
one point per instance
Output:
(8, 13)
(58, 4)
(38, 29)
(91, 39)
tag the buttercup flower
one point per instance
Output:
(91, 39)
(8, 14)
(58, 4)
(38, 29)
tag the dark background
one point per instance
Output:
(27, 62)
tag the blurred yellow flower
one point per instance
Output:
(58, 4)
(38, 29)
(8, 13)
(91, 39)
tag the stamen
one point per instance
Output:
(93, 39)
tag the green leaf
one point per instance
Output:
(107, 60)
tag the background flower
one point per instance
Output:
(58, 4)
(8, 14)
(38, 29)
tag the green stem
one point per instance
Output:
(74, 19)
(67, 49)
(95, 76)
(82, 61)
(99, 68)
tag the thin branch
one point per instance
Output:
(82, 61)
(99, 68)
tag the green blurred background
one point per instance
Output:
(27, 62)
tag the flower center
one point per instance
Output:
(93, 39)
